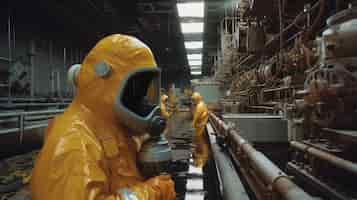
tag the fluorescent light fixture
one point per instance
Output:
(194, 27)
(195, 62)
(194, 45)
(190, 9)
(196, 73)
(197, 56)
(196, 68)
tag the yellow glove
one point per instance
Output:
(164, 185)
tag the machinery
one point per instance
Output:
(306, 73)
(282, 97)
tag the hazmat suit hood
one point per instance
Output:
(120, 82)
(196, 98)
(164, 98)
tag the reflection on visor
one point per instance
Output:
(140, 93)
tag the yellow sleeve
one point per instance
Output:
(69, 168)
(73, 167)
(164, 113)
(156, 188)
(200, 116)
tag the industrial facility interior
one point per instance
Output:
(279, 78)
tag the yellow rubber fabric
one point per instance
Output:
(200, 115)
(200, 152)
(163, 106)
(88, 154)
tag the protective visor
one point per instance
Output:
(138, 98)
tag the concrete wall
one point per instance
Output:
(210, 92)
(46, 56)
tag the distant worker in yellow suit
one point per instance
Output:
(200, 114)
(200, 153)
(163, 106)
(89, 153)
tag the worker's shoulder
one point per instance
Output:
(68, 132)
(202, 105)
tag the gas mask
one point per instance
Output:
(137, 104)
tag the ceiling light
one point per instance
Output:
(196, 68)
(196, 73)
(197, 56)
(191, 9)
(194, 45)
(194, 62)
(194, 27)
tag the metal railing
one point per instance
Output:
(265, 179)
(19, 121)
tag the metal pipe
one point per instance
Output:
(266, 169)
(324, 189)
(25, 117)
(52, 75)
(58, 79)
(269, 172)
(232, 187)
(18, 105)
(32, 64)
(13, 35)
(9, 37)
(10, 54)
(64, 70)
(281, 38)
(300, 17)
(38, 99)
(40, 112)
(317, 21)
(332, 159)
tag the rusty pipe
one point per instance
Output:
(269, 172)
(317, 21)
(332, 159)
(271, 175)
(232, 187)
(325, 190)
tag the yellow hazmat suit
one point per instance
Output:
(172, 101)
(163, 106)
(200, 114)
(200, 152)
(89, 153)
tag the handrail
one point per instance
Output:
(25, 120)
(27, 113)
(273, 177)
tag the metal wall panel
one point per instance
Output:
(259, 127)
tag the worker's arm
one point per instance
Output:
(196, 115)
(164, 113)
(86, 180)
(75, 170)
(156, 188)
(69, 171)
(200, 116)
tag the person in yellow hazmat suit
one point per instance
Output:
(200, 152)
(200, 114)
(200, 117)
(89, 153)
(163, 106)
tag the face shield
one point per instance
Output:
(137, 101)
